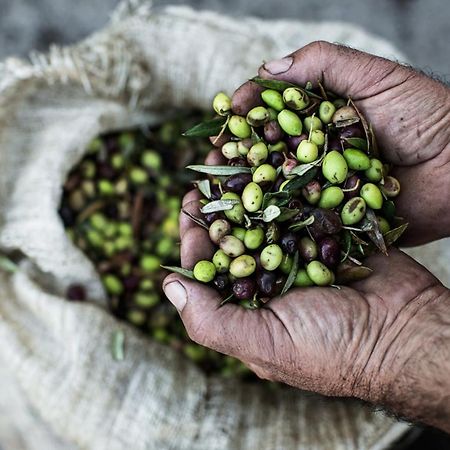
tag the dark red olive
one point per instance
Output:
(329, 251)
(326, 221)
(244, 288)
(221, 282)
(352, 131)
(278, 182)
(293, 141)
(219, 142)
(353, 183)
(76, 292)
(239, 161)
(275, 159)
(104, 170)
(266, 282)
(334, 143)
(215, 192)
(131, 282)
(236, 183)
(295, 204)
(272, 132)
(211, 217)
(289, 243)
(307, 249)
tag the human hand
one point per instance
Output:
(409, 111)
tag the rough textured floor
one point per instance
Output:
(419, 28)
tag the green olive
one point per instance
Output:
(204, 271)
(257, 116)
(151, 159)
(138, 175)
(218, 229)
(221, 261)
(149, 263)
(257, 154)
(232, 246)
(302, 279)
(353, 211)
(222, 104)
(239, 233)
(331, 197)
(286, 264)
(242, 266)
(312, 123)
(230, 150)
(239, 127)
(264, 173)
(271, 257)
(290, 123)
(278, 147)
(318, 137)
(356, 159)
(372, 196)
(254, 237)
(146, 299)
(273, 99)
(307, 151)
(236, 213)
(390, 187)
(383, 224)
(295, 98)
(334, 167)
(112, 284)
(252, 197)
(375, 172)
(319, 273)
(244, 146)
(326, 111)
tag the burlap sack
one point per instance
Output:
(61, 387)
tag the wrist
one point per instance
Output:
(410, 367)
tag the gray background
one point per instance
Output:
(420, 28)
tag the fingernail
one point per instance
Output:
(279, 65)
(177, 294)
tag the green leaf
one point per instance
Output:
(374, 233)
(219, 205)
(276, 85)
(302, 180)
(287, 214)
(271, 213)
(348, 272)
(392, 235)
(226, 300)
(292, 274)
(7, 265)
(346, 122)
(181, 271)
(279, 198)
(348, 245)
(358, 143)
(207, 128)
(365, 126)
(220, 170)
(204, 186)
(118, 345)
(300, 225)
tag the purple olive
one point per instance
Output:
(244, 288)
(326, 221)
(275, 159)
(329, 251)
(352, 131)
(131, 282)
(289, 243)
(209, 218)
(307, 249)
(293, 141)
(221, 282)
(351, 187)
(266, 282)
(295, 204)
(219, 142)
(76, 292)
(236, 183)
(272, 132)
(334, 144)
(278, 182)
(239, 161)
(215, 192)
(104, 170)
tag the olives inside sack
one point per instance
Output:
(312, 194)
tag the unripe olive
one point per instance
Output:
(319, 274)
(264, 173)
(218, 229)
(375, 172)
(257, 116)
(244, 146)
(239, 127)
(254, 237)
(204, 271)
(138, 175)
(307, 249)
(272, 114)
(331, 197)
(222, 104)
(151, 159)
(112, 284)
(290, 122)
(252, 197)
(273, 99)
(372, 196)
(312, 122)
(257, 154)
(286, 264)
(295, 98)
(243, 266)
(230, 150)
(239, 233)
(318, 137)
(149, 263)
(271, 257)
(312, 192)
(353, 211)
(344, 113)
(390, 187)
(232, 246)
(280, 147)
(236, 213)
(356, 159)
(307, 152)
(302, 279)
(334, 167)
(287, 167)
(326, 111)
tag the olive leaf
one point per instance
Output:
(348, 245)
(207, 128)
(392, 235)
(374, 232)
(8, 265)
(347, 273)
(287, 213)
(255, 137)
(357, 239)
(322, 90)
(292, 274)
(364, 124)
(185, 272)
(279, 198)
(301, 180)
(197, 220)
(304, 223)
(219, 170)
(388, 210)
(219, 205)
(222, 130)
(346, 122)
(272, 233)
(358, 143)
(375, 149)
(226, 300)
(271, 213)
(204, 186)
(118, 345)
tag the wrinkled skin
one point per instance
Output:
(370, 340)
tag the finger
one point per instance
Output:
(195, 246)
(260, 372)
(246, 97)
(190, 205)
(228, 329)
(343, 70)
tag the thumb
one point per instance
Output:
(228, 329)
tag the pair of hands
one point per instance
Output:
(385, 339)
